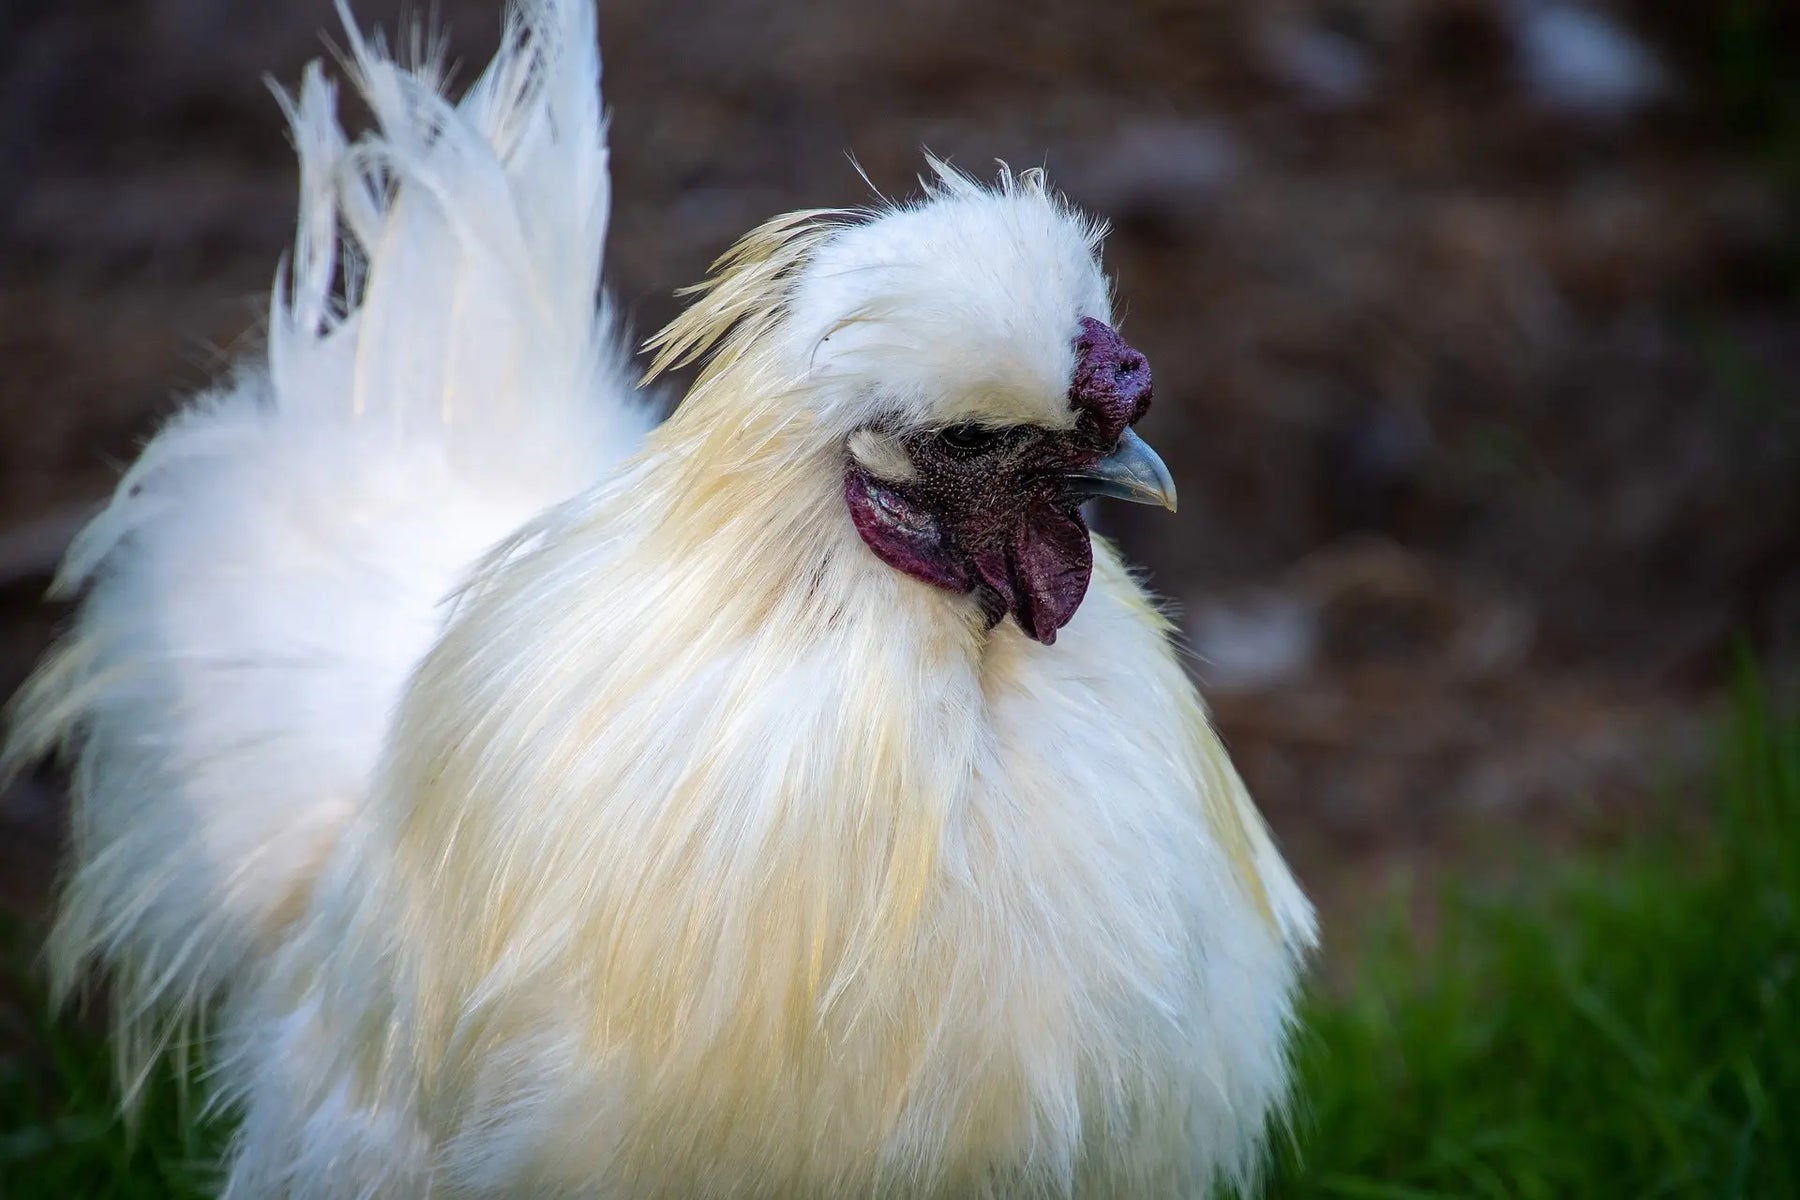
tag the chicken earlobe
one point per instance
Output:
(903, 533)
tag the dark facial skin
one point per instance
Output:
(995, 512)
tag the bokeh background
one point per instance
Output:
(1473, 323)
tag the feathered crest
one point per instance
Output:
(746, 290)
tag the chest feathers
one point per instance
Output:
(832, 893)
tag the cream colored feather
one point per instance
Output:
(543, 813)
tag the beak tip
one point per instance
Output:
(1132, 472)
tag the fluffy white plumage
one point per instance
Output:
(550, 806)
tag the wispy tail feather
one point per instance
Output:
(438, 369)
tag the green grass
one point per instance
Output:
(60, 1135)
(1630, 1030)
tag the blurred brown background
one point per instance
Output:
(1473, 321)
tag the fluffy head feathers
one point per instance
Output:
(959, 306)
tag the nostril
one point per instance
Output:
(1127, 366)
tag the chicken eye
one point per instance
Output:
(969, 439)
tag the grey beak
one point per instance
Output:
(1132, 472)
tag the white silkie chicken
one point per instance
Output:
(787, 800)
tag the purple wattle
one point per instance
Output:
(1052, 559)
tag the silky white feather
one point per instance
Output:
(690, 851)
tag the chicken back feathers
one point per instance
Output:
(550, 805)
